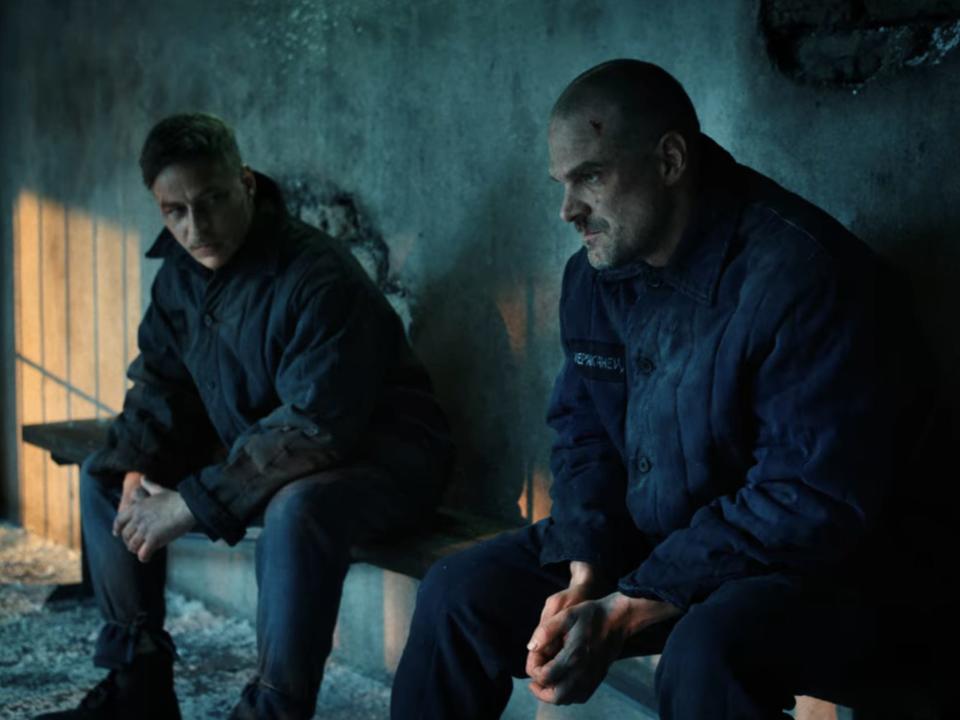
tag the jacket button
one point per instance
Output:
(207, 319)
(654, 281)
(643, 464)
(211, 385)
(645, 365)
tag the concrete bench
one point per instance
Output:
(71, 442)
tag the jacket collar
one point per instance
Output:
(257, 249)
(698, 261)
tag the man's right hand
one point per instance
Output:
(585, 584)
(132, 491)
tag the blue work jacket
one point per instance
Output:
(289, 359)
(735, 412)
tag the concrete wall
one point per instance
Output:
(432, 114)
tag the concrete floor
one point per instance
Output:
(45, 650)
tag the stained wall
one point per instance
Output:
(431, 114)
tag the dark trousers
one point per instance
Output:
(302, 557)
(743, 653)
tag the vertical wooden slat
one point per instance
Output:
(53, 250)
(33, 459)
(110, 297)
(28, 223)
(77, 307)
(33, 464)
(53, 292)
(81, 333)
(17, 370)
(18, 240)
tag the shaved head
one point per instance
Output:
(624, 140)
(635, 101)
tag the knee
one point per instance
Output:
(436, 588)
(703, 648)
(296, 519)
(318, 500)
(453, 586)
(287, 507)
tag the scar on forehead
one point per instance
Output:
(597, 126)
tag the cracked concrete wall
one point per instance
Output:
(847, 43)
(431, 116)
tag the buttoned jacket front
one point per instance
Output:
(724, 416)
(289, 358)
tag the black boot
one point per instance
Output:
(259, 702)
(143, 691)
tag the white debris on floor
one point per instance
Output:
(45, 649)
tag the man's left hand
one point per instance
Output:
(571, 651)
(153, 522)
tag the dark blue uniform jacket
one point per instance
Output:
(733, 413)
(289, 357)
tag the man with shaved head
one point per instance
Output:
(729, 419)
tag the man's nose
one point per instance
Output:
(199, 221)
(572, 207)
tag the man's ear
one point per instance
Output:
(249, 181)
(674, 157)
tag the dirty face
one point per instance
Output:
(207, 207)
(613, 191)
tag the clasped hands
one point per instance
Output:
(150, 516)
(581, 632)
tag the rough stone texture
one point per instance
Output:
(886, 11)
(847, 43)
(322, 204)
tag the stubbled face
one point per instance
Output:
(613, 196)
(207, 207)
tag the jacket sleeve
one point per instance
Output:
(328, 378)
(825, 398)
(163, 430)
(589, 518)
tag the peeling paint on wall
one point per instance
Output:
(322, 204)
(847, 43)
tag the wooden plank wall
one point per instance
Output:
(77, 305)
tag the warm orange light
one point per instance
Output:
(523, 501)
(540, 483)
(399, 598)
(77, 304)
(534, 501)
(511, 303)
(809, 708)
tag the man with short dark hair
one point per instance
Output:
(274, 386)
(728, 421)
